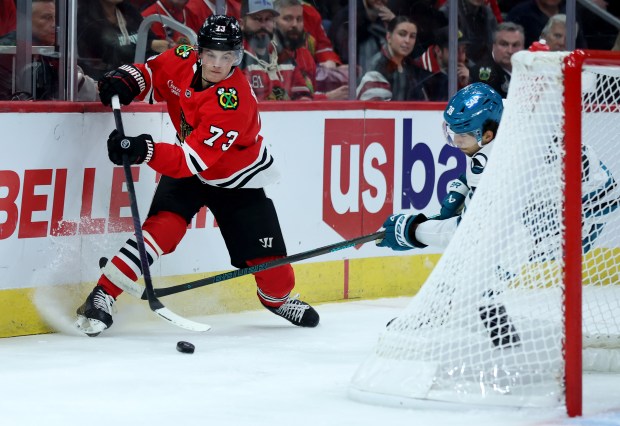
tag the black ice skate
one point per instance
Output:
(297, 312)
(95, 315)
(501, 329)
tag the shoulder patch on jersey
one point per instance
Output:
(478, 163)
(183, 51)
(484, 73)
(227, 98)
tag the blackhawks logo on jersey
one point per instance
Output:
(183, 51)
(228, 99)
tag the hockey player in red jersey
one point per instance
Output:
(219, 160)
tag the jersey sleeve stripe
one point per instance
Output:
(246, 174)
(195, 164)
(256, 171)
(193, 160)
(149, 94)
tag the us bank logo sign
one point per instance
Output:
(358, 175)
(360, 189)
(428, 166)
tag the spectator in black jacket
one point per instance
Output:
(496, 69)
(41, 74)
(533, 15)
(436, 60)
(372, 20)
(107, 32)
(477, 22)
(554, 33)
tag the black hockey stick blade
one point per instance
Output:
(154, 303)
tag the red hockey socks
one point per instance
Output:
(162, 233)
(274, 285)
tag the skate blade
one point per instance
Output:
(90, 327)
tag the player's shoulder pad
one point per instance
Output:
(183, 51)
(478, 162)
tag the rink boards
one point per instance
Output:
(345, 167)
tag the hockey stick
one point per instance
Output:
(137, 290)
(154, 303)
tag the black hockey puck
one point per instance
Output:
(185, 347)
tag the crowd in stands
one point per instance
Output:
(299, 49)
(42, 73)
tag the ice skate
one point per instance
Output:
(95, 314)
(501, 328)
(297, 312)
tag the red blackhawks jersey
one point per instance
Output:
(218, 128)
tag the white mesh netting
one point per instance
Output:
(487, 326)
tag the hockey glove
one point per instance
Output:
(400, 232)
(138, 149)
(126, 81)
(452, 204)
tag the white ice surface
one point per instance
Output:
(252, 368)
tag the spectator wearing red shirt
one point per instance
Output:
(7, 16)
(313, 25)
(177, 10)
(293, 43)
(205, 8)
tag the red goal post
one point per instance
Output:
(527, 295)
(574, 108)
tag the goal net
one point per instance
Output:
(502, 317)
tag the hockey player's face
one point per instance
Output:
(216, 64)
(466, 142)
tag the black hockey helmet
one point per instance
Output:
(220, 32)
